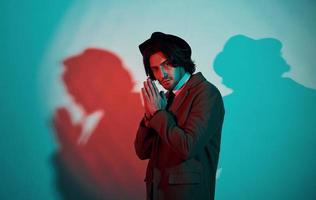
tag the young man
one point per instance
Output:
(181, 131)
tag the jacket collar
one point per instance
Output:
(194, 80)
(181, 84)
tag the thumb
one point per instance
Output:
(163, 96)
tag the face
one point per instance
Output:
(167, 75)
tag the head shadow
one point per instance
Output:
(97, 79)
(269, 119)
(245, 63)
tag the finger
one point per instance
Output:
(147, 89)
(145, 95)
(151, 86)
(151, 89)
(145, 99)
(156, 89)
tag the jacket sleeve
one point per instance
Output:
(144, 141)
(203, 122)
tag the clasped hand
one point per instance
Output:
(153, 99)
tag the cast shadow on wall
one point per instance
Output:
(268, 139)
(101, 164)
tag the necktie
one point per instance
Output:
(171, 96)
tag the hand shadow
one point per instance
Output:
(101, 164)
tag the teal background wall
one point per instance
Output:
(26, 146)
(35, 36)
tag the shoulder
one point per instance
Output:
(202, 87)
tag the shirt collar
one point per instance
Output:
(178, 88)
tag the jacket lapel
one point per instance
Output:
(192, 82)
(178, 100)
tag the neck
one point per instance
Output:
(184, 78)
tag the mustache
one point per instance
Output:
(165, 79)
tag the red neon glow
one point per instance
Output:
(106, 166)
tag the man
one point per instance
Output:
(180, 136)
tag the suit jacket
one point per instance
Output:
(183, 144)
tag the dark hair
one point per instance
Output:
(178, 57)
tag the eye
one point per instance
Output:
(168, 63)
(168, 67)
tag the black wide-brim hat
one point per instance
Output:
(159, 37)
